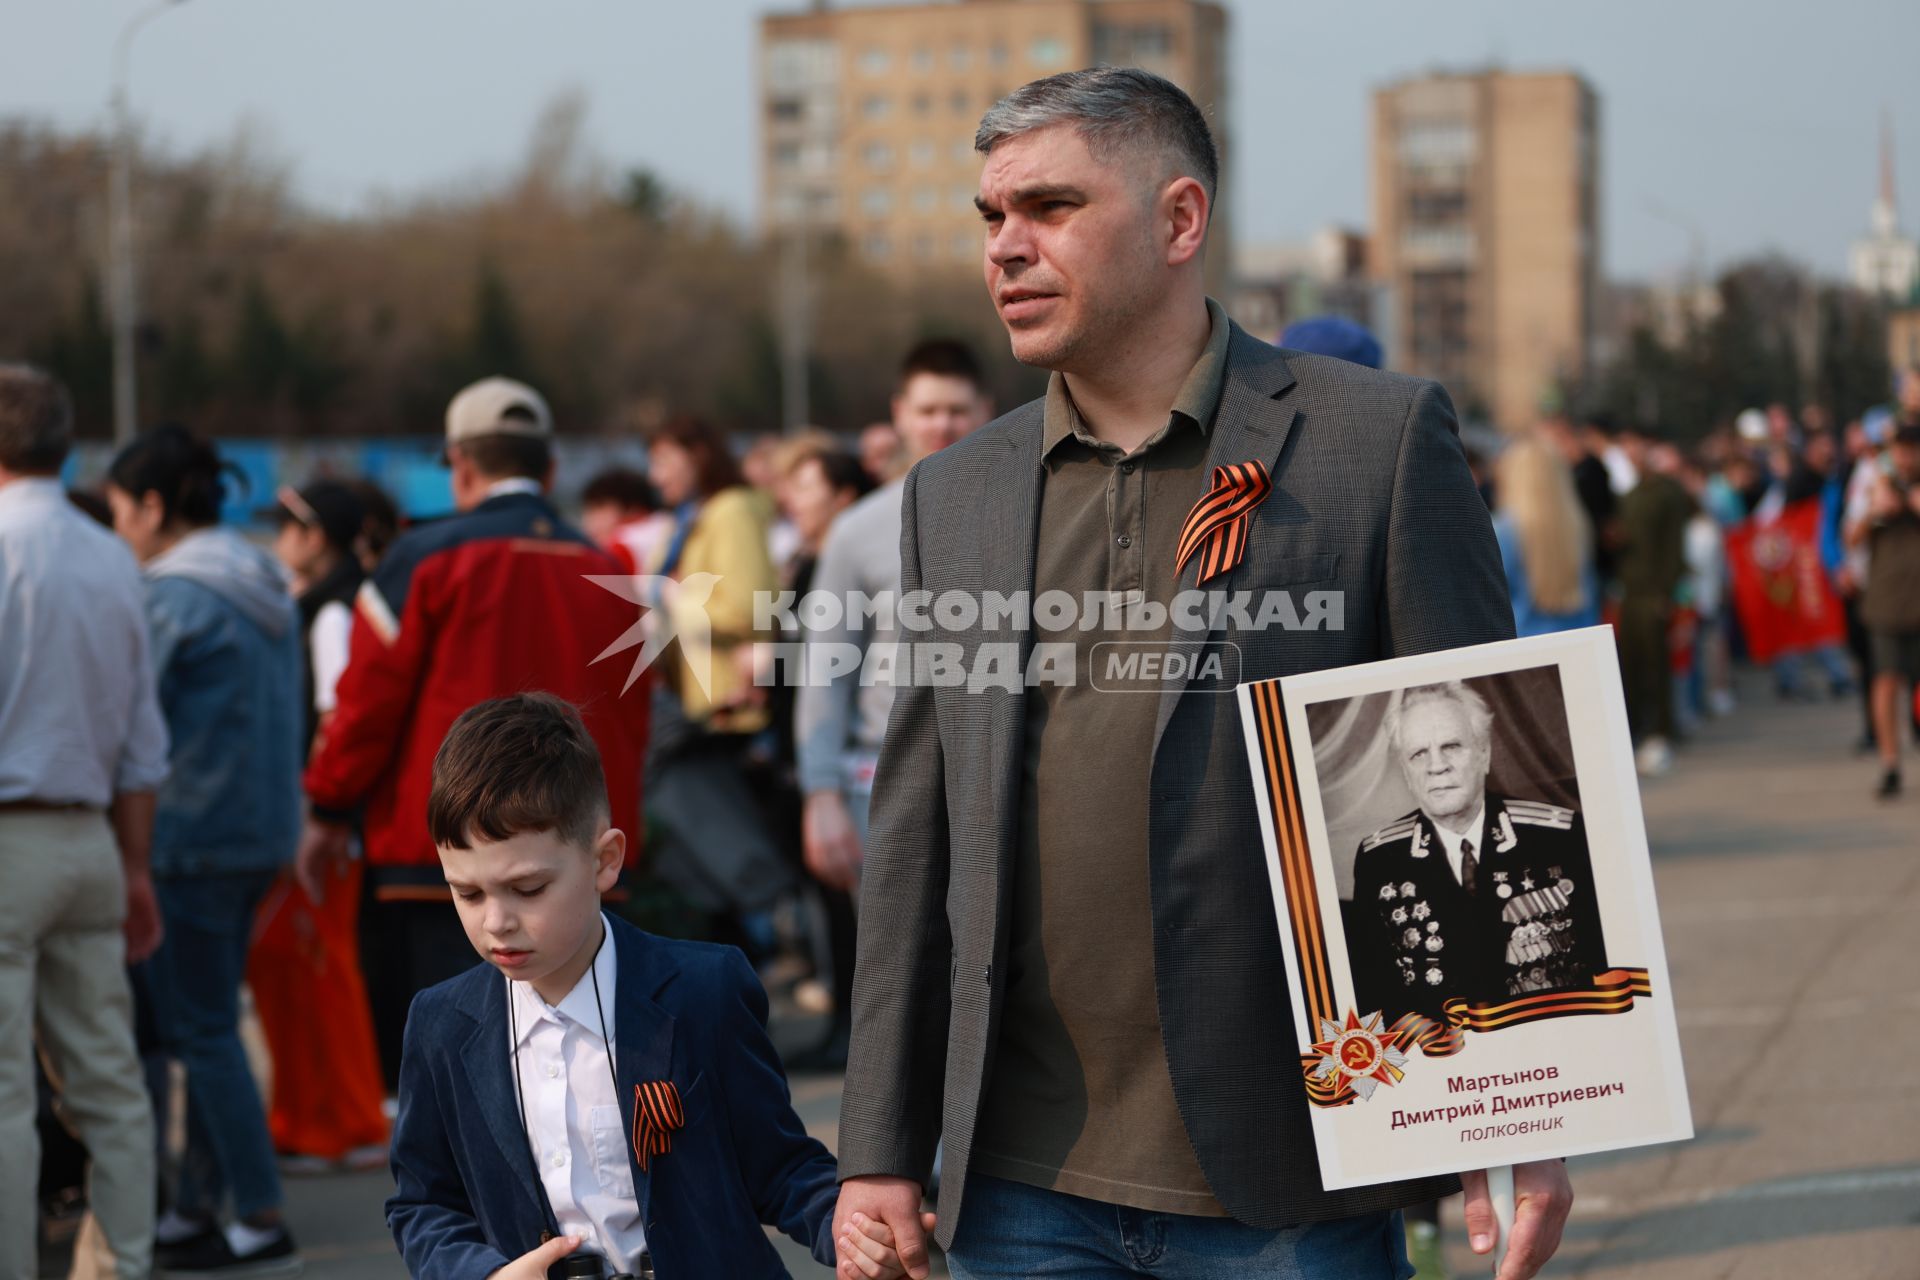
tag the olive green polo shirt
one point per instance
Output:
(1080, 1099)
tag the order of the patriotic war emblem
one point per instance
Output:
(1360, 1052)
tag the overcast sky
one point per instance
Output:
(1754, 120)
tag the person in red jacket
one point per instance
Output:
(492, 601)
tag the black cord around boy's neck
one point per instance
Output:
(519, 1095)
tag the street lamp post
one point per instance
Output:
(123, 298)
(795, 308)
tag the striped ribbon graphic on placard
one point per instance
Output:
(1611, 992)
(1217, 527)
(656, 1114)
(1296, 863)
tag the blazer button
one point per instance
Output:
(986, 974)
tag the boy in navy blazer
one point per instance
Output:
(593, 1088)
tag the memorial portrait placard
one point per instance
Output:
(1462, 885)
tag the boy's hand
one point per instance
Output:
(533, 1266)
(891, 1202)
(866, 1249)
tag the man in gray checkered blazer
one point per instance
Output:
(1069, 969)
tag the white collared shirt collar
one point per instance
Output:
(512, 484)
(28, 488)
(577, 1005)
(1476, 831)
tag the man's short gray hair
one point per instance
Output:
(1479, 715)
(1113, 108)
(36, 420)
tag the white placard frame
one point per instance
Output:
(1633, 1054)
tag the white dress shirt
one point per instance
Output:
(79, 717)
(1475, 832)
(573, 1117)
(330, 637)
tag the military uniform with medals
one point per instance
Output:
(1529, 924)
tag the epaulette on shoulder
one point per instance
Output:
(1538, 813)
(1401, 830)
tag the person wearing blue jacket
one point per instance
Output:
(226, 655)
(592, 1089)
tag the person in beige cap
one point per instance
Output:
(491, 601)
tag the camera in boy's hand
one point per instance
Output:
(591, 1266)
(556, 1259)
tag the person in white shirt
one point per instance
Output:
(570, 1110)
(591, 1087)
(319, 526)
(304, 969)
(83, 749)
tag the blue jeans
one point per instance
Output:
(194, 980)
(1789, 670)
(1009, 1230)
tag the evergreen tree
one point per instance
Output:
(644, 196)
(496, 345)
(1853, 373)
(261, 358)
(318, 369)
(752, 397)
(184, 376)
(79, 352)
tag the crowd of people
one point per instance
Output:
(1599, 521)
(238, 741)
(235, 736)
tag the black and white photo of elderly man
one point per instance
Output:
(1473, 895)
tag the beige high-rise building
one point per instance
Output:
(1486, 230)
(868, 114)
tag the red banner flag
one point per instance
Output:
(1786, 604)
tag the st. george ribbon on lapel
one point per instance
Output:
(656, 1114)
(1218, 524)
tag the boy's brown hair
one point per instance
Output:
(517, 764)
